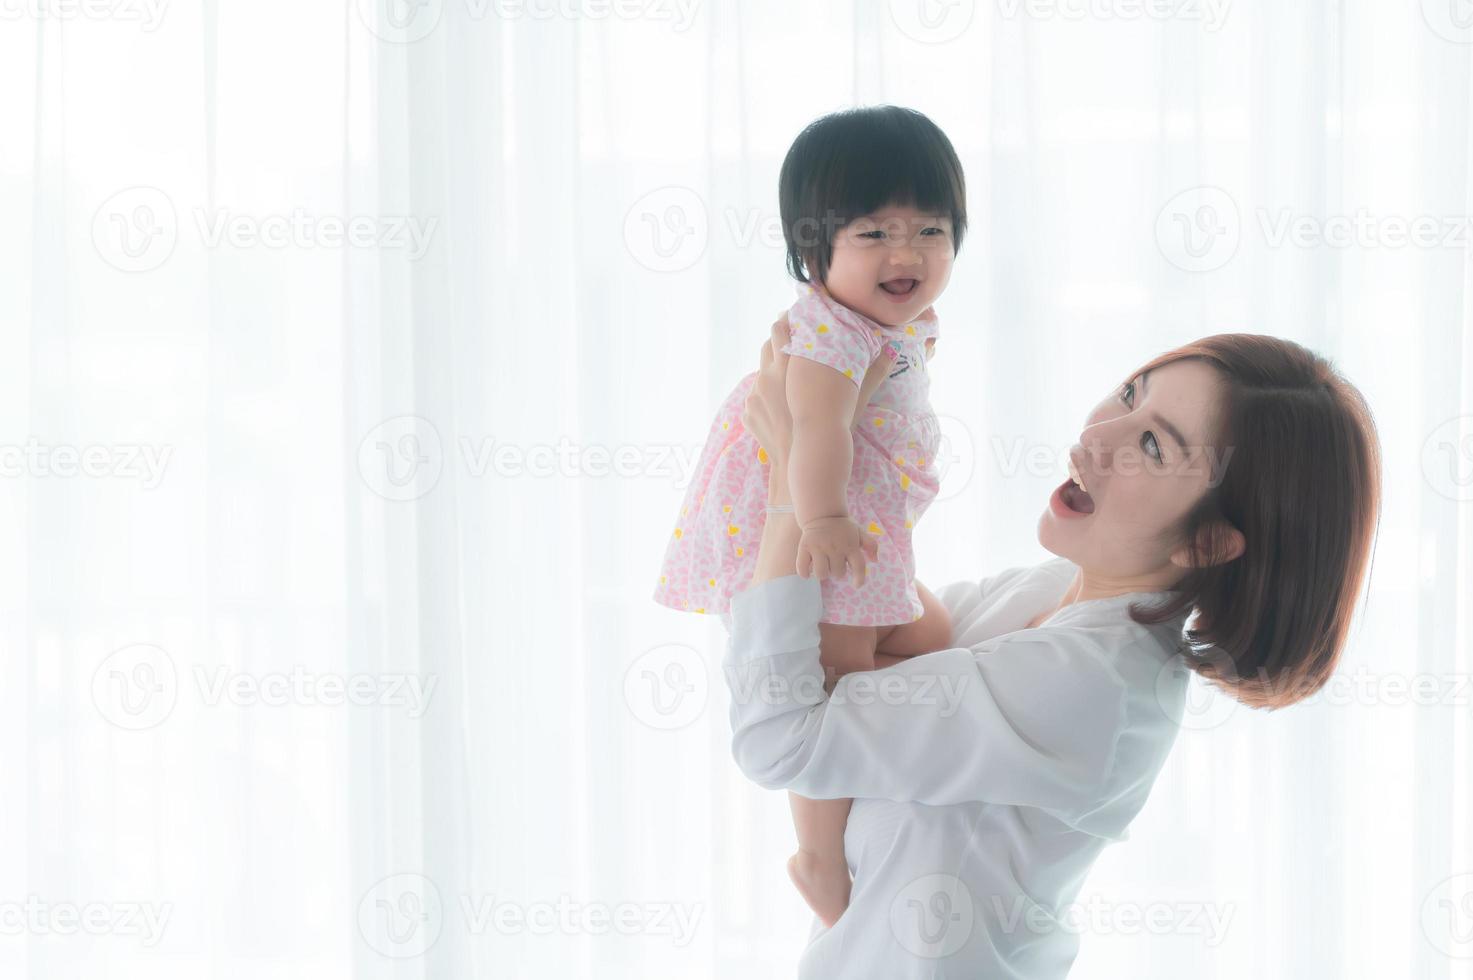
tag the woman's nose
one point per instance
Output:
(1098, 451)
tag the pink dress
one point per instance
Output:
(712, 551)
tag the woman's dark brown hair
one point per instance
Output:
(1303, 484)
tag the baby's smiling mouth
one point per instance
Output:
(901, 286)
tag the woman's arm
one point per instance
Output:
(766, 416)
(1029, 718)
(778, 549)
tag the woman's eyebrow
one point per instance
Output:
(1171, 430)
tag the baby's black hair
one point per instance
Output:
(853, 162)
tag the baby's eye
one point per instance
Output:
(877, 233)
(930, 231)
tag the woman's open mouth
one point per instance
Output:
(900, 289)
(1069, 500)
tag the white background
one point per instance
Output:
(457, 462)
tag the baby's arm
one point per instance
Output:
(822, 403)
(820, 458)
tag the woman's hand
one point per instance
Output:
(829, 544)
(765, 413)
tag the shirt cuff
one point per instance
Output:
(779, 615)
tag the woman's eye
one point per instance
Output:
(1127, 392)
(1151, 446)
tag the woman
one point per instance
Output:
(1234, 481)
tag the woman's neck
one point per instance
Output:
(1088, 585)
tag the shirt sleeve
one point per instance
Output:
(846, 347)
(1027, 719)
(963, 597)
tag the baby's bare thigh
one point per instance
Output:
(850, 648)
(844, 649)
(929, 633)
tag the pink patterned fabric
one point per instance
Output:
(713, 549)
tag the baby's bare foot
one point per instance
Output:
(824, 884)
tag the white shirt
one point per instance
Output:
(987, 778)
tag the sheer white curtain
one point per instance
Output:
(355, 355)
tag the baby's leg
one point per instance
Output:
(929, 633)
(819, 869)
(844, 649)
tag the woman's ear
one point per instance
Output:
(1218, 543)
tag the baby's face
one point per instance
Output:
(892, 264)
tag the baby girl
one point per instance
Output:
(873, 210)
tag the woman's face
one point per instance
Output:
(876, 257)
(1146, 457)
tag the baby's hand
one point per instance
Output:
(829, 543)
